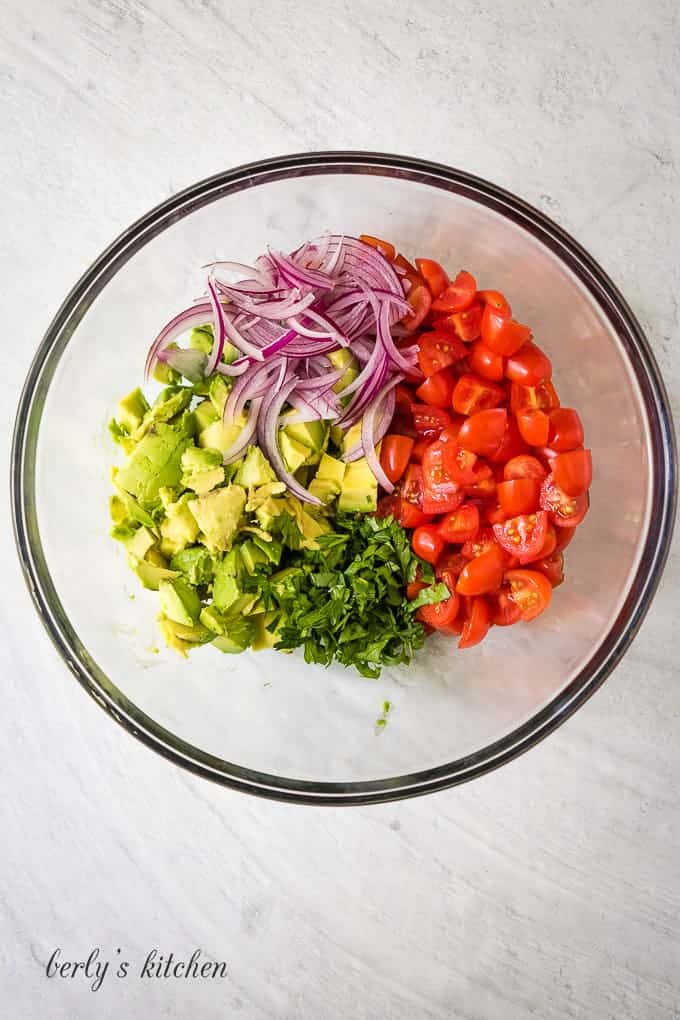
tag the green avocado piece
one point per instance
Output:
(218, 392)
(179, 529)
(155, 462)
(263, 637)
(195, 563)
(351, 438)
(140, 542)
(252, 556)
(267, 512)
(270, 547)
(226, 585)
(163, 373)
(205, 415)
(219, 436)
(169, 403)
(359, 488)
(133, 511)
(295, 454)
(255, 469)
(312, 434)
(328, 480)
(235, 632)
(310, 528)
(201, 339)
(344, 359)
(179, 601)
(202, 469)
(150, 574)
(131, 410)
(218, 514)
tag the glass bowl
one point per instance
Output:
(267, 723)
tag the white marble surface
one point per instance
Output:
(549, 889)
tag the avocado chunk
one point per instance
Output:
(219, 436)
(359, 490)
(179, 529)
(182, 638)
(294, 454)
(218, 391)
(195, 563)
(328, 480)
(155, 462)
(201, 339)
(312, 434)
(351, 438)
(163, 373)
(131, 410)
(344, 359)
(205, 414)
(140, 542)
(227, 586)
(234, 632)
(252, 556)
(179, 601)
(125, 509)
(217, 515)
(169, 403)
(201, 469)
(150, 574)
(255, 469)
(263, 638)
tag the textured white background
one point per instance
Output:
(549, 889)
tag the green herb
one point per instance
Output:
(426, 597)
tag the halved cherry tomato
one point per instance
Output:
(529, 366)
(573, 471)
(473, 394)
(441, 492)
(403, 396)
(395, 452)
(482, 574)
(552, 566)
(541, 398)
(420, 301)
(419, 449)
(409, 271)
(519, 496)
(450, 433)
(384, 247)
(484, 485)
(497, 301)
(524, 466)
(413, 589)
(460, 525)
(468, 324)
(533, 425)
(437, 389)
(565, 511)
(477, 622)
(504, 611)
(434, 275)
(458, 295)
(486, 362)
(429, 421)
(523, 536)
(427, 543)
(530, 590)
(566, 430)
(483, 431)
(481, 543)
(511, 445)
(439, 350)
(388, 506)
(450, 563)
(411, 516)
(550, 543)
(440, 615)
(463, 465)
(564, 537)
(492, 512)
(501, 333)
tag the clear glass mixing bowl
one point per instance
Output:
(268, 723)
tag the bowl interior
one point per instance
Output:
(271, 713)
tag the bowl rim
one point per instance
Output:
(642, 586)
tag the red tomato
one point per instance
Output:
(450, 564)
(411, 516)
(458, 296)
(504, 611)
(481, 543)
(434, 275)
(413, 588)
(384, 247)
(549, 545)
(439, 350)
(529, 366)
(573, 471)
(566, 430)
(473, 394)
(419, 449)
(519, 496)
(552, 566)
(409, 271)
(565, 511)
(461, 525)
(463, 466)
(427, 543)
(441, 493)
(523, 536)
(450, 433)
(484, 485)
(564, 537)
(530, 590)
(533, 426)
(501, 333)
(428, 420)
(388, 506)
(493, 513)
(541, 398)
(468, 324)
(482, 432)
(486, 362)
(403, 396)
(524, 466)
(482, 574)
(511, 445)
(395, 452)
(477, 622)
(496, 300)
(437, 389)
(440, 615)
(420, 301)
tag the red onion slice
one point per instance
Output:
(239, 447)
(188, 362)
(267, 429)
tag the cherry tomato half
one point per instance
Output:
(468, 324)
(504, 610)
(437, 389)
(552, 566)
(420, 301)
(441, 492)
(566, 430)
(524, 466)
(429, 421)
(523, 536)
(519, 496)
(477, 622)
(483, 431)
(541, 398)
(460, 525)
(565, 511)
(395, 452)
(501, 333)
(511, 445)
(473, 394)
(440, 615)
(533, 425)
(529, 366)
(434, 275)
(427, 543)
(483, 573)
(384, 247)
(437, 351)
(573, 471)
(486, 362)
(497, 301)
(530, 590)
(459, 294)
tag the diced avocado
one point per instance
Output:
(294, 453)
(156, 557)
(255, 469)
(270, 547)
(179, 601)
(121, 437)
(359, 488)
(117, 509)
(344, 359)
(283, 582)
(205, 415)
(167, 495)
(328, 480)
(140, 543)
(351, 438)
(236, 641)
(201, 339)
(131, 410)
(163, 373)
(196, 634)
(263, 637)
(310, 433)
(133, 511)
(226, 585)
(150, 574)
(252, 556)
(169, 403)
(195, 563)
(218, 393)
(202, 469)
(167, 628)
(155, 462)
(337, 435)
(179, 529)
(260, 495)
(219, 436)
(217, 515)
(268, 511)
(235, 632)
(324, 489)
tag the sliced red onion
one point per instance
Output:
(251, 384)
(384, 413)
(267, 429)
(188, 362)
(318, 382)
(369, 436)
(297, 276)
(218, 329)
(239, 447)
(239, 341)
(190, 318)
